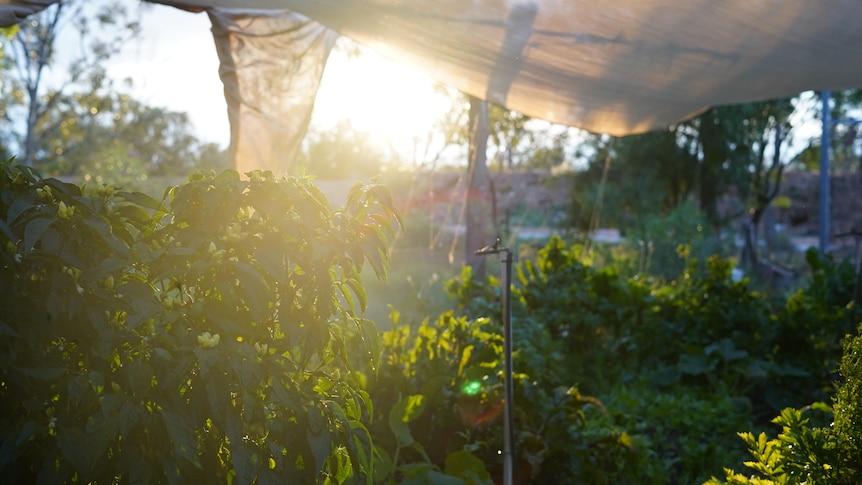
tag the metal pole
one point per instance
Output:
(825, 142)
(509, 403)
(508, 423)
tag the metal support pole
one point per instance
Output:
(825, 142)
(508, 423)
(508, 404)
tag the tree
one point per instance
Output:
(765, 175)
(478, 188)
(724, 149)
(342, 152)
(648, 174)
(508, 132)
(107, 136)
(101, 30)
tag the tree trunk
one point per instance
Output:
(32, 119)
(712, 176)
(478, 208)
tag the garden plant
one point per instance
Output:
(197, 339)
(218, 335)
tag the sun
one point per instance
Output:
(393, 103)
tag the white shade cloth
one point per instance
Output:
(611, 66)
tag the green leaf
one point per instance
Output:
(46, 374)
(358, 290)
(139, 375)
(69, 191)
(270, 255)
(182, 436)
(318, 437)
(77, 387)
(625, 439)
(227, 177)
(437, 478)
(142, 200)
(101, 228)
(130, 416)
(6, 330)
(463, 464)
(82, 458)
(423, 474)
(134, 214)
(695, 364)
(28, 429)
(141, 472)
(405, 411)
(34, 230)
(245, 461)
(252, 287)
(6, 231)
(383, 466)
(17, 208)
(726, 349)
(370, 339)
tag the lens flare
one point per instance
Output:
(471, 388)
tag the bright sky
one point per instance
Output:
(174, 64)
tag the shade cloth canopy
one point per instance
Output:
(613, 66)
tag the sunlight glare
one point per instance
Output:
(393, 103)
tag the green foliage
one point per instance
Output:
(217, 335)
(342, 153)
(848, 408)
(423, 394)
(646, 175)
(804, 452)
(202, 338)
(439, 397)
(100, 29)
(660, 239)
(717, 153)
(681, 365)
(109, 137)
(800, 454)
(689, 435)
(583, 310)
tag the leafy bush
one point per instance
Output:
(804, 452)
(438, 401)
(199, 340)
(661, 355)
(218, 336)
(660, 237)
(689, 436)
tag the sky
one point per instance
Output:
(173, 63)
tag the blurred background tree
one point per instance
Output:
(80, 123)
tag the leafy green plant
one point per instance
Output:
(662, 355)
(807, 453)
(202, 338)
(799, 454)
(439, 400)
(689, 436)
